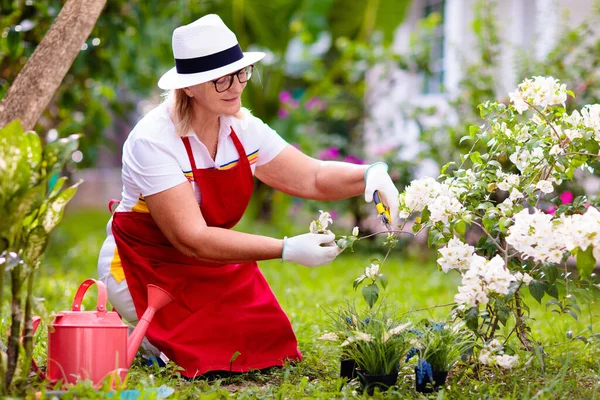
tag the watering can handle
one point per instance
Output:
(102, 295)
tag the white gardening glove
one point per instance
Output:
(377, 178)
(306, 249)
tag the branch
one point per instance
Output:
(491, 238)
(428, 308)
(32, 90)
(545, 119)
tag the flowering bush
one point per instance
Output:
(532, 145)
(493, 197)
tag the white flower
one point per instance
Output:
(483, 278)
(399, 329)
(581, 231)
(525, 278)
(456, 255)
(545, 186)
(573, 134)
(372, 272)
(539, 92)
(444, 207)
(591, 118)
(574, 119)
(556, 150)
(515, 195)
(509, 182)
(420, 193)
(355, 231)
(325, 219)
(485, 357)
(506, 207)
(314, 228)
(506, 361)
(537, 236)
(329, 336)
(495, 346)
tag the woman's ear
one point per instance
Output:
(188, 92)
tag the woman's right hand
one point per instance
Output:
(310, 249)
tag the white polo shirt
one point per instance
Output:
(155, 159)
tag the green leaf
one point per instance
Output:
(550, 273)
(416, 227)
(433, 237)
(461, 227)
(552, 302)
(537, 289)
(585, 262)
(234, 356)
(383, 279)
(371, 294)
(475, 157)
(358, 281)
(503, 312)
(552, 291)
(425, 215)
(35, 245)
(472, 318)
(54, 212)
(445, 167)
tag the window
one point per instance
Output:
(434, 82)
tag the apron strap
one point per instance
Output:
(188, 148)
(243, 158)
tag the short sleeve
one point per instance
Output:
(270, 144)
(152, 167)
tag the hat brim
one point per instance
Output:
(172, 80)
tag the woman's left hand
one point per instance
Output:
(377, 178)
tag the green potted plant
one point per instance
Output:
(378, 349)
(440, 346)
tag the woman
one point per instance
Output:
(188, 170)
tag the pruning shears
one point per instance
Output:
(383, 211)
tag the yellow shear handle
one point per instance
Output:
(382, 210)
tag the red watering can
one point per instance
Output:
(95, 344)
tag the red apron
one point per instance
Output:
(219, 309)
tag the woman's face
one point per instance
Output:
(206, 96)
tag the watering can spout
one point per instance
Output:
(157, 299)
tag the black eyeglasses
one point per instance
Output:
(224, 83)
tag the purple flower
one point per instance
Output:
(283, 113)
(566, 197)
(333, 214)
(285, 96)
(330, 153)
(294, 103)
(314, 103)
(352, 159)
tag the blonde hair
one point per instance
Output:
(182, 112)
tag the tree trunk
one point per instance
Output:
(35, 85)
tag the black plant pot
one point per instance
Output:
(383, 382)
(347, 368)
(439, 379)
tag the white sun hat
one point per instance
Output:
(205, 50)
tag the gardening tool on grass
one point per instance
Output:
(95, 344)
(382, 210)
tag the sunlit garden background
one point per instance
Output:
(397, 81)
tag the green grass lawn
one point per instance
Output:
(571, 368)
